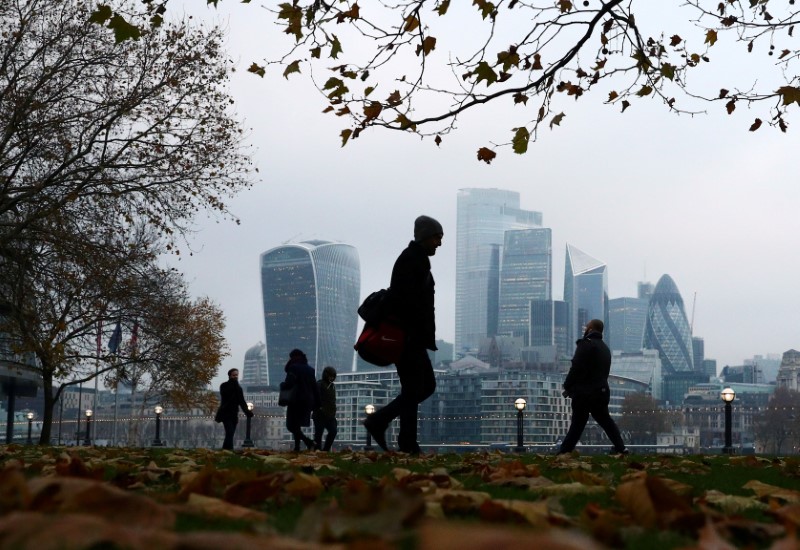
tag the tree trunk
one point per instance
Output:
(49, 402)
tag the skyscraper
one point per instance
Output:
(626, 320)
(526, 273)
(549, 325)
(667, 329)
(254, 369)
(310, 293)
(585, 290)
(484, 215)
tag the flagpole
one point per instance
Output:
(96, 373)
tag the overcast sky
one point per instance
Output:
(646, 192)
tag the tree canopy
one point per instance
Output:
(109, 149)
(417, 66)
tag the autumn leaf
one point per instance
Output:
(372, 111)
(711, 37)
(405, 123)
(486, 155)
(345, 135)
(612, 96)
(256, 69)
(102, 14)
(645, 91)
(293, 14)
(293, 67)
(411, 23)
(668, 71)
(427, 46)
(442, 8)
(790, 94)
(123, 30)
(316, 52)
(485, 72)
(537, 62)
(336, 47)
(394, 98)
(564, 5)
(756, 125)
(520, 140)
(438, 140)
(557, 120)
(487, 8)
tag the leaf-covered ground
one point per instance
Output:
(152, 499)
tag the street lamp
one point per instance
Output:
(157, 441)
(369, 409)
(519, 404)
(30, 427)
(728, 395)
(247, 441)
(88, 441)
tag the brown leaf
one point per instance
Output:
(73, 495)
(652, 501)
(14, 492)
(765, 491)
(304, 486)
(536, 513)
(756, 125)
(486, 155)
(215, 507)
(448, 536)
(256, 491)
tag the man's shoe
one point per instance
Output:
(378, 432)
(623, 452)
(413, 450)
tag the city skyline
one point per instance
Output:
(699, 198)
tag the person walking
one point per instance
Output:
(325, 416)
(231, 398)
(587, 385)
(300, 375)
(411, 302)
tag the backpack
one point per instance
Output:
(375, 307)
(288, 390)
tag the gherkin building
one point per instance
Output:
(667, 329)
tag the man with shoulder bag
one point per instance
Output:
(412, 306)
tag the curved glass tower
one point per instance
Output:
(311, 295)
(254, 369)
(667, 329)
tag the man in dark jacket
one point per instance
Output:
(411, 302)
(231, 398)
(587, 385)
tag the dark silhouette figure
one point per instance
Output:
(325, 417)
(231, 398)
(587, 385)
(411, 301)
(300, 375)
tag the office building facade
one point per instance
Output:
(626, 320)
(549, 322)
(483, 217)
(667, 329)
(310, 295)
(585, 290)
(254, 369)
(526, 274)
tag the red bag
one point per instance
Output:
(381, 344)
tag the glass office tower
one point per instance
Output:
(667, 329)
(483, 217)
(626, 320)
(526, 274)
(585, 290)
(311, 295)
(254, 370)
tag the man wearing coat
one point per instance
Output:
(231, 400)
(587, 385)
(411, 302)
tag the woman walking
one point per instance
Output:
(301, 376)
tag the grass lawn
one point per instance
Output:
(173, 498)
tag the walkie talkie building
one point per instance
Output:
(311, 293)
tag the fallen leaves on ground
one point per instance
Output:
(81, 498)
